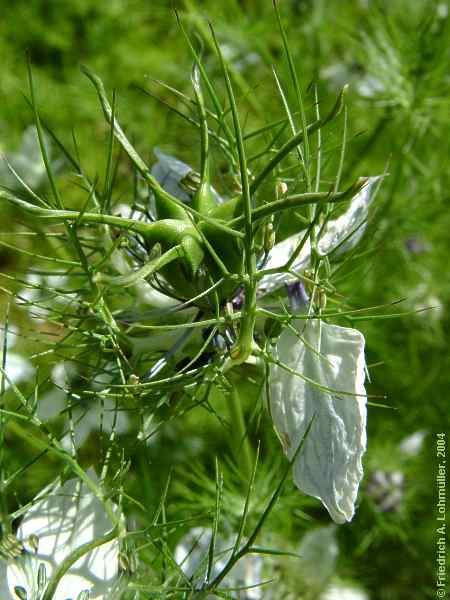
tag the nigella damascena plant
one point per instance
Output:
(190, 283)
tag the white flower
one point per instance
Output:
(320, 373)
(344, 592)
(429, 307)
(191, 554)
(339, 235)
(329, 385)
(412, 444)
(318, 552)
(27, 162)
(63, 518)
(387, 489)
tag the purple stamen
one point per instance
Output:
(298, 298)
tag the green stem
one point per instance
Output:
(241, 444)
(245, 343)
(142, 273)
(167, 230)
(297, 200)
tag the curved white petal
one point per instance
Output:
(278, 257)
(329, 465)
(349, 226)
(63, 518)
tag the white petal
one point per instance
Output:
(64, 518)
(169, 171)
(4, 588)
(17, 369)
(352, 221)
(51, 404)
(329, 466)
(335, 232)
(279, 255)
(63, 373)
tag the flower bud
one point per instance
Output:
(281, 188)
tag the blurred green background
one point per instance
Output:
(395, 56)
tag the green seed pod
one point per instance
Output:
(42, 577)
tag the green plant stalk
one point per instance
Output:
(210, 88)
(166, 230)
(296, 200)
(148, 269)
(241, 445)
(245, 342)
(4, 517)
(246, 548)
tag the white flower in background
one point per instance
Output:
(191, 554)
(63, 518)
(240, 59)
(412, 444)
(428, 306)
(386, 489)
(442, 10)
(320, 373)
(318, 552)
(370, 86)
(27, 162)
(17, 367)
(341, 591)
(341, 73)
